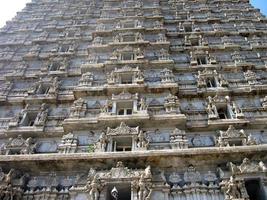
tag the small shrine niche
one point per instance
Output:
(86, 80)
(119, 182)
(199, 58)
(172, 104)
(222, 108)
(125, 75)
(30, 116)
(18, 146)
(125, 104)
(127, 54)
(233, 137)
(129, 24)
(56, 65)
(246, 180)
(46, 86)
(210, 79)
(128, 37)
(69, 144)
(178, 139)
(122, 138)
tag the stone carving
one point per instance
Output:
(144, 189)
(6, 186)
(94, 187)
(175, 178)
(141, 141)
(112, 107)
(19, 146)
(251, 77)
(106, 140)
(191, 176)
(69, 144)
(78, 109)
(87, 79)
(210, 177)
(97, 181)
(163, 55)
(97, 41)
(167, 76)
(41, 116)
(101, 144)
(161, 38)
(232, 137)
(264, 102)
(172, 104)
(121, 76)
(178, 139)
(123, 129)
(247, 167)
(233, 189)
(210, 78)
(237, 58)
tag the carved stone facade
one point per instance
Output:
(134, 100)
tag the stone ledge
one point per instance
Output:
(135, 154)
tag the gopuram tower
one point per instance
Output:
(134, 100)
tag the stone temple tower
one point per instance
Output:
(134, 100)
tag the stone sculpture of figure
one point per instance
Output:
(101, 144)
(139, 75)
(251, 140)
(142, 104)
(233, 189)
(144, 192)
(106, 107)
(236, 109)
(139, 53)
(142, 141)
(6, 192)
(29, 147)
(139, 37)
(93, 187)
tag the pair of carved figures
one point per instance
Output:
(6, 187)
(19, 146)
(95, 184)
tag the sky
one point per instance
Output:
(8, 8)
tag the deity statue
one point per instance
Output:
(144, 192)
(233, 189)
(101, 144)
(94, 187)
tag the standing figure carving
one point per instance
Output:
(233, 189)
(93, 188)
(6, 190)
(144, 192)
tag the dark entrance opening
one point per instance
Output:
(255, 189)
(124, 191)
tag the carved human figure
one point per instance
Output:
(142, 141)
(144, 192)
(139, 75)
(6, 190)
(233, 189)
(101, 144)
(93, 187)
(29, 147)
(139, 37)
(236, 109)
(142, 104)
